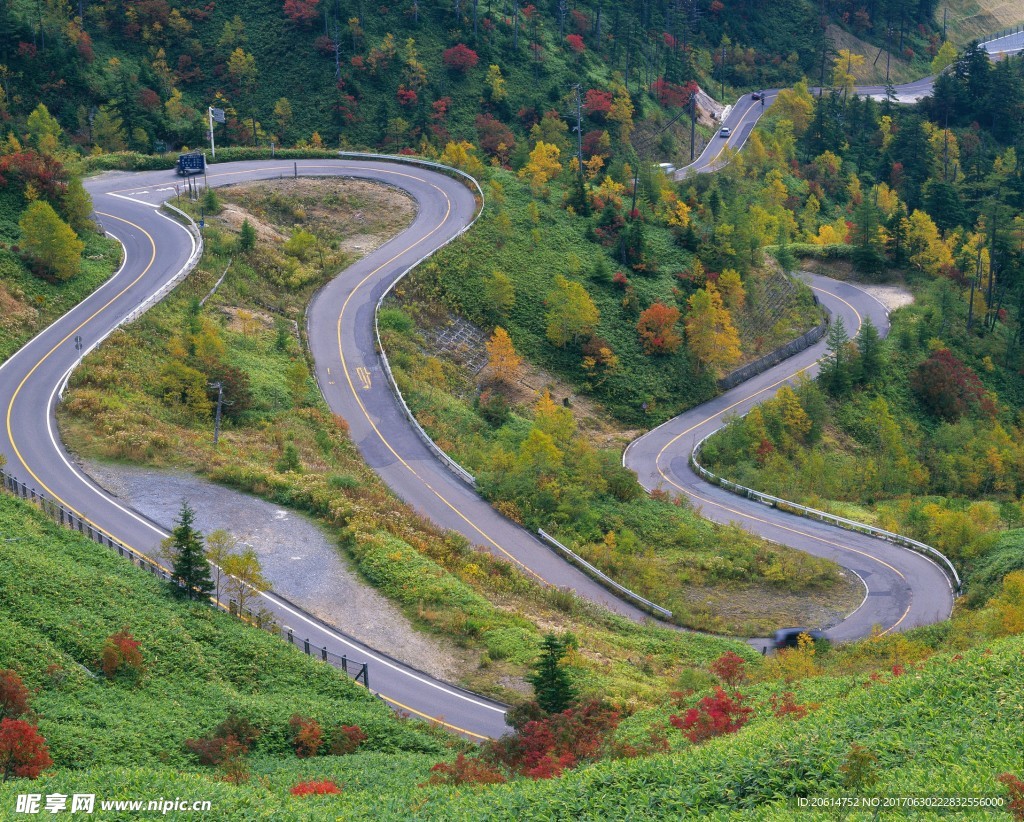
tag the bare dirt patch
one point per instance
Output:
(363, 214)
(13, 312)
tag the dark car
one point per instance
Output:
(790, 637)
(756, 95)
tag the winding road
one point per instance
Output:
(903, 588)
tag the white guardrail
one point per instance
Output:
(151, 300)
(602, 577)
(831, 519)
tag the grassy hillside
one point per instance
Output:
(62, 596)
(929, 721)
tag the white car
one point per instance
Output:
(725, 132)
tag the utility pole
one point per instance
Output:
(579, 128)
(693, 123)
(220, 401)
(723, 72)
(213, 148)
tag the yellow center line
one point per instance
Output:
(366, 413)
(668, 478)
(430, 718)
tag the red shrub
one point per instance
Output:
(714, 716)
(1015, 793)
(121, 656)
(575, 42)
(464, 771)
(785, 704)
(730, 668)
(13, 695)
(406, 96)
(322, 786)
(346, 739)
(496, 138)
(946, 387)
(460, 58)
(545, 747)
(23, 751)
(307, 736)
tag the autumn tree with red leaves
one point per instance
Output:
(657, 329)
(460, 58)
(575, 43)
(597, 103)
(948, 388)
(730, 667)
(1014, 786)
(23, 751)
(302, 12)
(13, 695)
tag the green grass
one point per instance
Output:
(62, 595)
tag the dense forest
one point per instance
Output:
(139, 74)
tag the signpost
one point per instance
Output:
(215, 115)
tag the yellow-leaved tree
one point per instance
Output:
(543, 165)
(571, 315)
(50, 243)
(711, 336)
(503, 360)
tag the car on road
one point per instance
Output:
(725, 132)
(790, 637)
(756, 95)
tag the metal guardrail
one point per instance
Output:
(791, 507)
(359, 671)
(150, 301)
(602, 577)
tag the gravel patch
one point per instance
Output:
(891, 296)
(299, 558)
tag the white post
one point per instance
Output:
(213, 148)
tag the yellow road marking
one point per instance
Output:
(366, 413)
(364, 377)
(441, 722)
(707, 501)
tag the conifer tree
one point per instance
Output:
(551, 685)
(191, 569)
(869, 344)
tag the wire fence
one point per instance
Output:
(262, 619)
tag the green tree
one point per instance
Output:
(836, 374)
(220, 546)
(245, 578)
(571, 313)
(49, 242)
(869, 344)
(211, 202)
(43, 130)
(247, 236)
(551, 685)
(191, 569)
(77, 205)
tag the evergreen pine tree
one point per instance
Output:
(550, 680)
(835, 367)
(869, 344)
(191, 569)
(247, 237)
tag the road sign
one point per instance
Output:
(78, 342)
